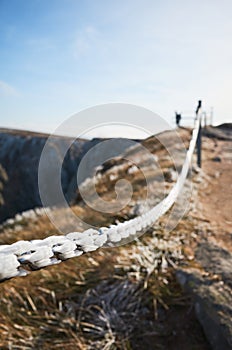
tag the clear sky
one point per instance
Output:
(58, 57)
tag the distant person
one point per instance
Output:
(178, 119)
(198, 107)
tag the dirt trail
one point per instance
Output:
(216, 197)
(210, 279)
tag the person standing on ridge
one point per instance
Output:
(178, 119)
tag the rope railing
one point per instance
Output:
(21, 257)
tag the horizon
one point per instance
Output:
(88, 137)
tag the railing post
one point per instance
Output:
(199, 116)
(199, 144)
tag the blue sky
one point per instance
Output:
(58, 57)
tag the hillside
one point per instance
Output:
(153, 293)
(20, 153)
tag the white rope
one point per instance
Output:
(36, 254)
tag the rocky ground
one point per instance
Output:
(166, 290)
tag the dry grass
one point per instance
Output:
(125, 298)
(112, 299)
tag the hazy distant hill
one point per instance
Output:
(19, 158)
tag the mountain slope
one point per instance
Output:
(20, 153)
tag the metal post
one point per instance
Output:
(199, 145)
(211, 116)
(199, 115)
(205, 119)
